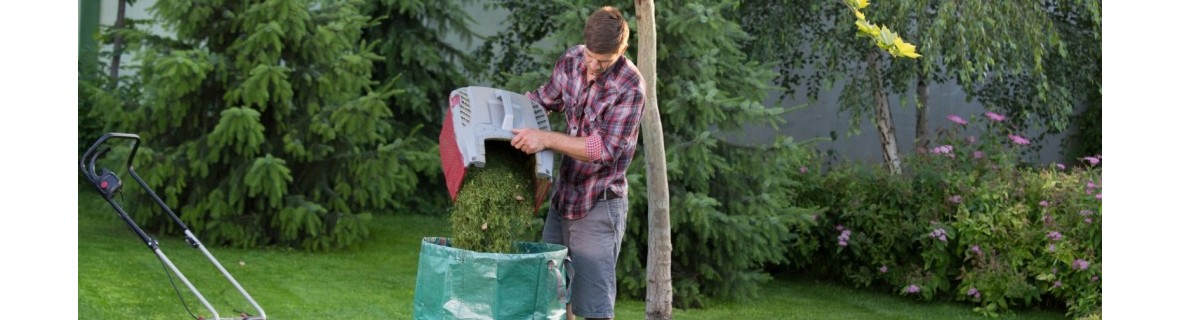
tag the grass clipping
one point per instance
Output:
(494, 207)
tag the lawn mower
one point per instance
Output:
(109, 184)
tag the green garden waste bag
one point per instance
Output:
(455, 283)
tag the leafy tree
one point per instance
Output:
(262, 122)
(732, 207)
(976, 44)
(824, 34)
(1078, 74)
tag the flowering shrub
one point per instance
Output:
(967, 222)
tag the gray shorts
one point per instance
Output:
(594, 242)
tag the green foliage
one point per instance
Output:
(731, 205)
(408, 35)
(968, 223)
(494, 208)
(98, 92)
(511, 54)
(1066, 75)
(262, 123)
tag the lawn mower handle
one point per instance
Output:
(108, 183)
(90, 155)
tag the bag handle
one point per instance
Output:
(563, 276)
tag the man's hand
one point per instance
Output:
(529, 140)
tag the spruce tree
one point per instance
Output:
(411, 39)
(262, 124)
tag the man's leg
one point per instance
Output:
(594, 243)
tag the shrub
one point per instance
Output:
(967, 222)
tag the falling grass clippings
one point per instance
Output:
(494, 207)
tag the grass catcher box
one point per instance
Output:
(477, 114)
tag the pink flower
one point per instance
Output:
(803, 169)
(939, 233)
(956, 119)
(843, 239)
(1052, 247)
(978, 154)
(976, 250)
(971, 139)
(884, 269)
(1091, 160)
(1098, 196)
(1018, 139)
(1054, 235)
(956, 199)
(1044, 203)
(1080, 264)
(1089, 220)
(913, 288)
(994, 116)
(947, 150)
(1060, 166)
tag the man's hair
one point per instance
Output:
(606, 31)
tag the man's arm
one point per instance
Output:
(604, 145)
(535, 140)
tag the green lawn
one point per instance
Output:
(118, 277)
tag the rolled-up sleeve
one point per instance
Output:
(619, 130)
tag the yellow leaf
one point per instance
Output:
(859, 16)
(861, 4)
(869, 29)
(906, 49)
(887, 36)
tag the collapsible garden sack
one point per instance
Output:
(461, 284)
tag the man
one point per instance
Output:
(601, 94)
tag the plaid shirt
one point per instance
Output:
(606, 111)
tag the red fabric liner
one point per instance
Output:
(452, 159)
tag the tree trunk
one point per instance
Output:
(921, 137)
(118, 46)
(659, 230)
(884, 119)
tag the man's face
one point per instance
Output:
(596, 63)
